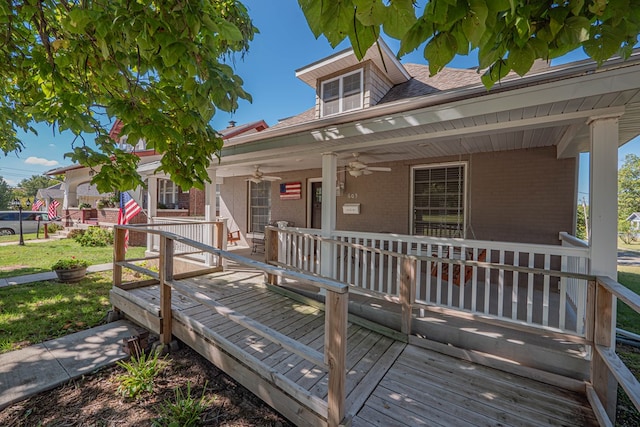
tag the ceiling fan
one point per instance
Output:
(258, 176)
(356, 168)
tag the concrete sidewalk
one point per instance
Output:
(40, 367)
(48, 275)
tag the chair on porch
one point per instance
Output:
(468, 270)
(233, 237)
(258, 240)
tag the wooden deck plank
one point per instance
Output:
(387, 384)
(358, 393)
(547, 397)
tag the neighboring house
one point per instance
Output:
(634, 219)
(85, 193)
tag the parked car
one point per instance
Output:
(10, 222)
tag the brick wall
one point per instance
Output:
(196, 202)
(517, 196)
(108, 217)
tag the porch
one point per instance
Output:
(385, 362)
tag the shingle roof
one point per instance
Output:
(421, 84)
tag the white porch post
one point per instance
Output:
(152, 207)
(329, 175)
(70, 195)
(603, 242)
(210, 215)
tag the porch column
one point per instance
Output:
(603, 242)
(70, 195)
(210, 214)
(329, 176)
(152, 207)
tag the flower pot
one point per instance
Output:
(71, 275)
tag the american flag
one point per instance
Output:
(37, 204)
(53, 208)
(290, 191)
(128, 209)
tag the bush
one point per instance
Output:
(52, 227)
(185, 412)
(141, 372)
(75, 234)
(84, 206)
(95, 236)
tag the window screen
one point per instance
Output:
(342, 94)
(259, 205)
(438, 201)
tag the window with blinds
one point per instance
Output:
(439, 200)
(259, 205)
(342, 94)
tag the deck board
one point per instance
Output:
(388, 383)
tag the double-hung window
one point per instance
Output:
(439, 200)
(259, 205)
(342, 94)
(167, 193)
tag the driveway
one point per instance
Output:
(629, 258)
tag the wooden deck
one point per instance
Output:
(388, 383)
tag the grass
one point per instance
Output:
(33, 258)
(633, 246)
(628, 319)
(16, 237)
(40, 311)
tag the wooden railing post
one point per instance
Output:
(271, 251)
(407, 292)
(166, 274)
(336, 354)
(118, 255)
(604, 382)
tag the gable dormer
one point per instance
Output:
(343, 84)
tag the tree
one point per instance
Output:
(35, 183)
(509, 34)
(156, 65)
(629, 187)
(5, 194)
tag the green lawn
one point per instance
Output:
(16, 237)
(41, 311)
(16, 260)
(628, 319)
(633, 246)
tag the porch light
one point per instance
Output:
(356, 172)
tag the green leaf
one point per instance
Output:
(370, 12)
(415, 36)
(575, 31)
(398, 18)
(229, 31)
(605, 42)
(521, 59)
(495, 73)
(474, 24)
(440, 51)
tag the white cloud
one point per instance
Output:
(52, 145)
(40, 161)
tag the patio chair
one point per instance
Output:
(468, 270)
(233, 237)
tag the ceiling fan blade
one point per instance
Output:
(357, 165)
(254, 180)
(271, 178)
(379, 169)
(366, 171)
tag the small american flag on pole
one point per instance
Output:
(37, 204)
(290, 191)
(128, 209)
(53, 208)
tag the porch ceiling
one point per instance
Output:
(535, 115)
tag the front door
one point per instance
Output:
(316, 205)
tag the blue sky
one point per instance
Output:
(283, 45)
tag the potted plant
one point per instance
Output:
(70, 270)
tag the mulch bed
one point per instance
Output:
(94, 401)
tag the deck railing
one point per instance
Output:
(522, 283)
(196, 229)
(334, 357)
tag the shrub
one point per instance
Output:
(69, 263)
(52, 227)
(84, 206)
(185, 412)
(95, 236)
(75, 233)
(141, 372)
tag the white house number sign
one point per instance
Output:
(352, 195)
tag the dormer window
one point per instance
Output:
(342, 94)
